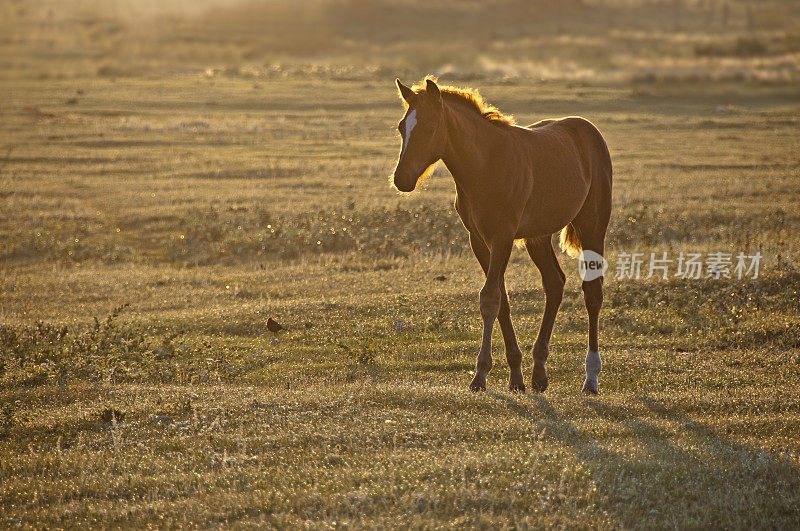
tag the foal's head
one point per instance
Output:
(423, 134)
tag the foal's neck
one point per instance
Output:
(470, 138)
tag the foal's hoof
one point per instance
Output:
(593, 367)
(539, 380)
(516, 387)
(516, 382)
(478, 384)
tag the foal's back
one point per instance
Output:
(567, 156)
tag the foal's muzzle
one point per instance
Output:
(404, 182)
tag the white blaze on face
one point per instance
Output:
(411, 121)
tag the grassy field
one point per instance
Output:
(173, 175)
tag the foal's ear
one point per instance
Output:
(406, 93)
(432, 89)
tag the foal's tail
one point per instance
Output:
(570, 243)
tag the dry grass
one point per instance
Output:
(211, 180)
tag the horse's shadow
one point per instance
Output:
(684, 471)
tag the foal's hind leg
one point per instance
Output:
(553, 278)
(513, 352)
(593, 298)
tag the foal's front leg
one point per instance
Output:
(491, 300)
(513, 353)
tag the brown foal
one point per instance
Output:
(514, 183)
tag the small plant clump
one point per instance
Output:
(105, 350)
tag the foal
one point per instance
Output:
(514, 183)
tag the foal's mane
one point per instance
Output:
(470, 98)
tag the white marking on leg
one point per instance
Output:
(411, 122)
(593, 368)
